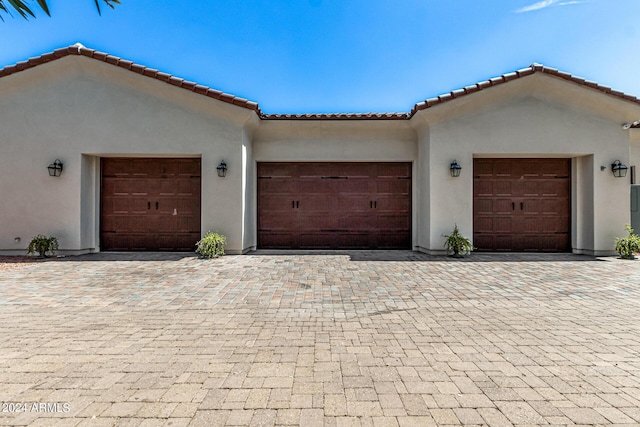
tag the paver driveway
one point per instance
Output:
(360, 338)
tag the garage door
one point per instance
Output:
(334, 205)
(522, 204)
(150, 204)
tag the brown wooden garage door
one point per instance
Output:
(522, 204)
(150, 204)
(334, 205)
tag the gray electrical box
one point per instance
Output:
(635, 208)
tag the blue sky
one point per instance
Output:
(319, 56)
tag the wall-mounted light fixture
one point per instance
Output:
(455, 169)
(619, 170)
(627, 126)
(55, 168)
(222, 169)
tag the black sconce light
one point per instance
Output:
(455, 169)
(55, 168)
(619, 170)
(222, 169)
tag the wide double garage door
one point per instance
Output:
(334, 205)
(522, 204)
(150, 204)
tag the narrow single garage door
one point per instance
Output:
(150, 204)
(334, 205)
(522, 204)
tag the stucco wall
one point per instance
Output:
(78, 110)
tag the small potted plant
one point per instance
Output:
(211, 245)
(43, 245)
(628, 246)
(456, 244)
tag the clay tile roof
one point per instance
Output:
(533, 68)
(338, 116)
(78, 49)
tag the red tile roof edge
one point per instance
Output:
(338, 116)
(504, 78)
(80, 50)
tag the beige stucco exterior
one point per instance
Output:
(78, 110)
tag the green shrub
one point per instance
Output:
(43, 245)
(457, 244)
(211, 245)
(627, 246)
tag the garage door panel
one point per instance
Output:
(165, 241)
(124, 168)
(390, 240)
(126, 187)
(505, 242)
(352, 186)
(554, 168)
(186, 242)
(353, 170)
(186, 206)
(503, 206)
(391, 222)
(143, 198)
(533, 225)
(166, 187)
(276, 170)
(494, 224)
(534, 215)
(302, 186)
(356, 221)
(529, 207)
(483, 240)
(353, 203)
(317, 222)
(275, 186)
(277, 222)
(393, 186)
(503, 168)
(276, 202)
(337, 205)
(384, 203)
(553, 188)
(134, 205)
(316, 203)
(553, 206)
(353, 240)
(393, 170)
(185, 224)
(315, 170)
(531, 188)
(126, 242)
(316, 240)
(503, 187)
(483, 188)
(167, 224)
(504, 224)
(180, 168)
(483, 206)
(278, 239)
(483, 225)
(483, 168)
(553, 224)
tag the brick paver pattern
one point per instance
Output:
(388, 338)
